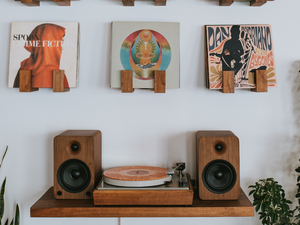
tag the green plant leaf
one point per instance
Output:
(251, 192)
(256, 202)
(17, 216)
(4, 156)
(2, 199)
(257, 207)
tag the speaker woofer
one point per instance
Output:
(74, 176)
(219, 176)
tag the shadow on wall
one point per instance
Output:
(291, 160)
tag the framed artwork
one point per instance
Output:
(43, 47)
(242, 49)
(145, 47)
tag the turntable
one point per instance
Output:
(144, 185)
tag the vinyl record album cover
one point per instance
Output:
(145, 47)
(43, 47)
(242, 49)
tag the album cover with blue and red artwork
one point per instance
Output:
(145, 47)
(242, 49)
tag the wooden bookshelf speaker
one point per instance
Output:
(77, 164)
(218, 169)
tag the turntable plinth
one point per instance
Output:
(144, 197)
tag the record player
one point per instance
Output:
(144, 185)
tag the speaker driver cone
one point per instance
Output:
(219, 176)
(73, 175)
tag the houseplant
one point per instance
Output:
(269, 199)
(16, 220)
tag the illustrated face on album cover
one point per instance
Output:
(242, 49)
(42, 48)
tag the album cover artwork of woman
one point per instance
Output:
(45, 55)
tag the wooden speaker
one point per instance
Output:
(77, 163)
(218, 166)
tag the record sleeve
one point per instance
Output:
(242, 49)
(145, 47)
(43, 47)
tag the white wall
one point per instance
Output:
(144, 128)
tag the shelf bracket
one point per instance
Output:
(63, 2)
(126, 81)
(160, 81)
(257, 2)
(30, 2)
(228, 81)
(225, 2)
(157, 2)
(261, 80)
(59, 81)
(25, 81)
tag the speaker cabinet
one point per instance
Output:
(218, 169)
(77, 163)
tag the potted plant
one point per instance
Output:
(269, 199)
(16, 220)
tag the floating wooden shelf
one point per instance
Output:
(157, 2)
(37, 2)
(252, 2)
(48, 206)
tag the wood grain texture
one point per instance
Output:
(25, 81)
(48, 206)
(63, 2)
(128, 2)
(159, 81)
(160, 2)
(58, 81)
(206, 59)
(252, 2)
(228, 81)
(89, 152)
(225, 2)
(261, 81)
(206, 141)
(257, 2)
(144, 197)
(126, 81)
(31, 2)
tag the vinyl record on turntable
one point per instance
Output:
(136, 176)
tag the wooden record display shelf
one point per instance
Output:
(48, 206)
(252, 2)
(157, 2)
(37, 2)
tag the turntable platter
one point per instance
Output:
(136, 176)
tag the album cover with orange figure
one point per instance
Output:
(43, 47)
(145, 47)
(242, 49)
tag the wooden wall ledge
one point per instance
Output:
(48, 206)
(157, 2)
(252, 2)
(37, 2)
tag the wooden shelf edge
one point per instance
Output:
(48, 206)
